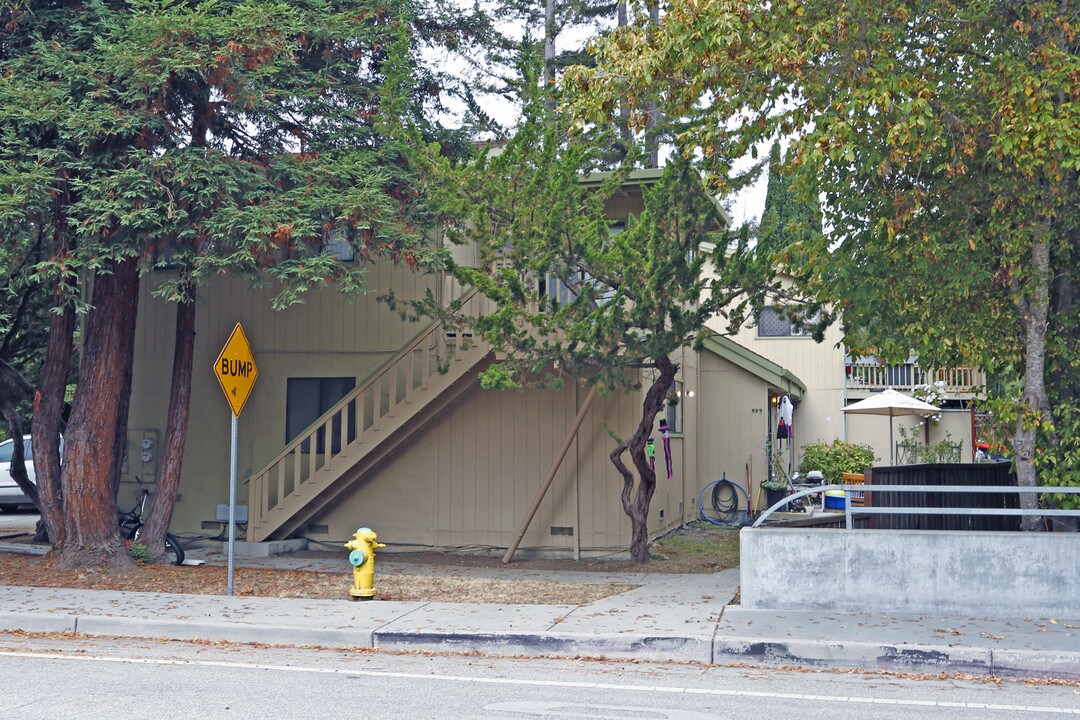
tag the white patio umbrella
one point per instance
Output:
(891, 403)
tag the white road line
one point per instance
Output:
(558, 684)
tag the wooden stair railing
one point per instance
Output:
(361, 421)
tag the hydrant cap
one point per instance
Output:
(363, 530)
(357, 558)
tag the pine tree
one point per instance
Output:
(609, 309)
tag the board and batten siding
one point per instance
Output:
(467, 478)
(329, 335)
(818, 416)
(733, 424)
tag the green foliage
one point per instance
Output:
(1059, 462)
(24, 324)
(577, 291)
(599, 295)
(140, 552)
(789, 218)
(239, 136)
(944, 140)
(212, 137)
(943, 451)
(836, 458)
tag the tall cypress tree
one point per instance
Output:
(788, 217)
(236, 136)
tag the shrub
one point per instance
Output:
(918, 452)
(836, 458)
(140, 552)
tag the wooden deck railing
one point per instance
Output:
(316, 458)
(963, 380)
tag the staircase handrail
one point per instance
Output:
(309, 431)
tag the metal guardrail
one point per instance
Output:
(869, 509)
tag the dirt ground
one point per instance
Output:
(696, 548)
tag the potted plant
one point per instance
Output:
(775, 491)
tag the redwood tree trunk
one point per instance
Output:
(549, 45)
(168, 481)
(49, 415)
(92, 537)
(120, 438)
(636, 505)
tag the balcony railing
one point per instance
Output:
(963, 380)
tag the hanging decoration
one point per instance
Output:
(785, 411)
(650, 453)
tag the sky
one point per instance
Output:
(745, 206)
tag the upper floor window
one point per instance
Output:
(776, 322)
(335, 242)
(673, 408)
(553, 288)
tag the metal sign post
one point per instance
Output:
(236, 372)
(232, 500)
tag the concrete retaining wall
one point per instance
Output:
(912, 571)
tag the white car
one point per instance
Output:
(11, 495)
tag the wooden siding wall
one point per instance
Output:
(329, 335)
(733, 425)
(467, 479)
(873, 430)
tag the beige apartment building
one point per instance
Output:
(360, 418)
(835, 380)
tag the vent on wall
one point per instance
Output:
(561, 530)
(318, 529)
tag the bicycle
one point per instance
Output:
(131, 523)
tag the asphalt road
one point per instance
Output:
(23, 521)
(51, 677)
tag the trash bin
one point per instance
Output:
(834, 500)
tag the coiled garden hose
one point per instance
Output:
(723, 504)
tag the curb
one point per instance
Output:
(898, 657)
(564, 645)
(817, 654)
(853, 654)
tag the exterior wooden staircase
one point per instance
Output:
(323, 461)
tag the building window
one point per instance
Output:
(306, 399)
(673, 408)
(336, 243)
(777, 322)
(551, 287)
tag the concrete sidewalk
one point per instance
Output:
(672, 618)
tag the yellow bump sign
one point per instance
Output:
(235, 369)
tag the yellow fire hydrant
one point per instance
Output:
(362, 558)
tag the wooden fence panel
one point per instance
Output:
(946, 474)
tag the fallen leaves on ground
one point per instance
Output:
(39, 571)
